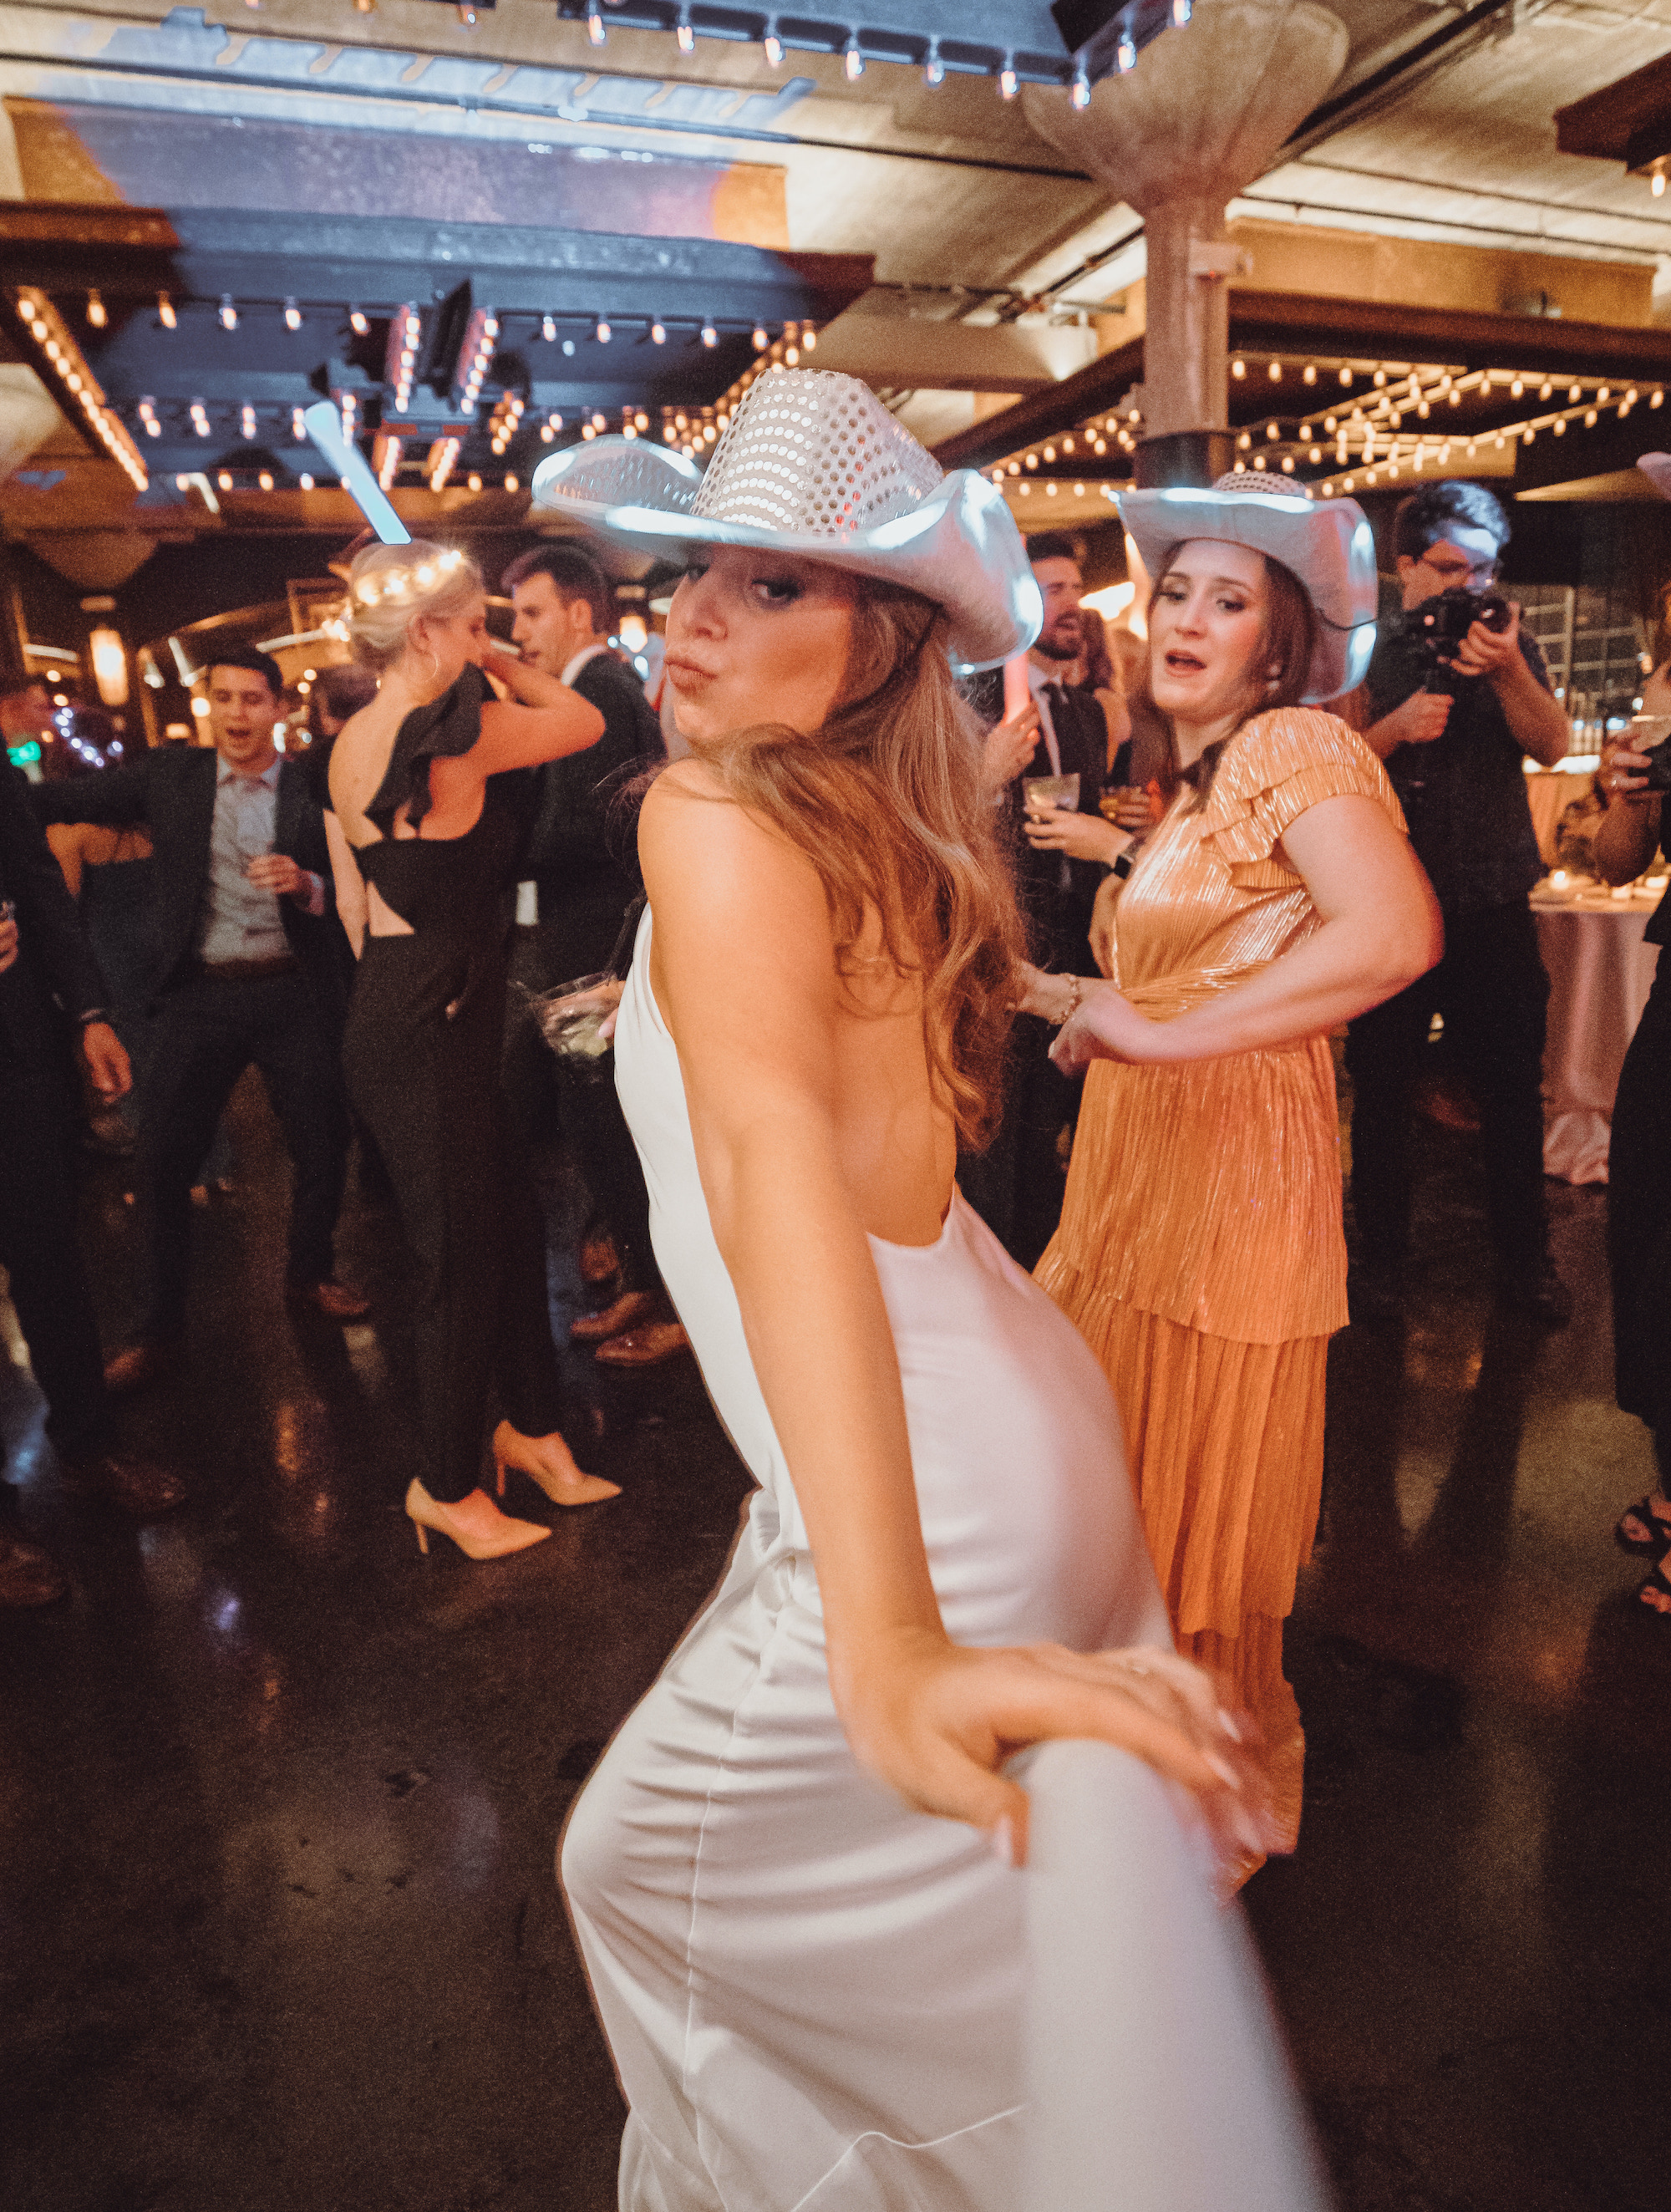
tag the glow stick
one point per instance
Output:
(325, 428)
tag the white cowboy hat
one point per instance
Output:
(1328, 544)
(812, 463)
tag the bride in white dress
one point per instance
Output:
(794, 1874)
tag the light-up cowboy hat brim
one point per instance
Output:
(811, 464)
(1326, 543)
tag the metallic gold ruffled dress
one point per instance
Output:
(1200, 1251)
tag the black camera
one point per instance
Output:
(1440, 623)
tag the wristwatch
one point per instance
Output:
(1122, 864)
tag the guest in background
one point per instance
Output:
(338, 694)
(26, 720)
(54, 1012)
(1454, 755)
(1016, 1184)
(582, 883)
(249, 965)
(1639, 1160)
(423, 838)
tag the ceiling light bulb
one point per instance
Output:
(1008, 83)
(594, 28)
(1125, 53)
(851, 60)
(934, 69)
(292, 316)
(710, 336)
(685, 35)
(1180, 12)
(1078, 92)
(165, 309)
(357, 322)
(658, 333)
(603, 333)
(1275, 371)
(265, 481)
(96, 311)
(229, 313)
(761, 340)
(772, 46)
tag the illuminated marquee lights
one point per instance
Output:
(52, 334)
(400, 355)
(475, 355)
(442, 461)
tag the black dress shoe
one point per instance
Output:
(1538, 1292)
(139, 1486)
(142, 1365)
(28, 1576)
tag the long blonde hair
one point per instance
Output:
(886, 801)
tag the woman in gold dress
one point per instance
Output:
(1200, 1251)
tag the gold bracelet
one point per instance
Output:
(1057, 1021)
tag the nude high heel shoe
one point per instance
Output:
(547, 1461)
(426, 1513)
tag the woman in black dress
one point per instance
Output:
(425, 840)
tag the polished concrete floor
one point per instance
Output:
(278, 1797)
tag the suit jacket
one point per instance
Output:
(55, 979)
(588, 876)
(173, 792)
(1059, 918)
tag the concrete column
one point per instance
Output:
(1205, 112)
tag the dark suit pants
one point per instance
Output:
(1017, 1184)
(40, 1249)
(207, 1033)
(545, 1099)
(1492, 993)
(1639, 1222)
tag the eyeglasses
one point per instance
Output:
(1460, 570)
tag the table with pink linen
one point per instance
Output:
(1600, 975)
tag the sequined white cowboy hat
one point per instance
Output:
(1328, 544)
(812, 463)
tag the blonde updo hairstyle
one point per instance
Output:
(389, 587)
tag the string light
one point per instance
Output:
(550, 427)
(685, 35)
(1238, 369)
(306, 482)
(442, 456)
(481, 336)
(594, 28)
(1180, 12)
(199, 418)
(357, 322)
(934, 69)
(771, 45)
(298, 427)
(229, 313)
(1125, 53)
(246, 421)
(265, 480)
(1079, 91)
(164, 312)
(852, 59)
(96, 311)
(658, 332)
(710, 336)
(391, 462)
(1008, 82)
(292, 316)
(602, 332)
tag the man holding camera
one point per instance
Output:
(1455, 706)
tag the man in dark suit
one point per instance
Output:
(1017, 1184)
(52, 1010)
(250, 964)
(582, 883)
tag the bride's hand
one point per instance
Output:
(1106, 1026)
(934, 1720)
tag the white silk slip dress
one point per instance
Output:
(814, 1996)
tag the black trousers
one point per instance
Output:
(40, 1249)
(207, 1034)
(1492, 993)
(1639, 1222)
(546, 1100)
(424, 1085)
(1017, 1184)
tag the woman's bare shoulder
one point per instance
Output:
(718, 865)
